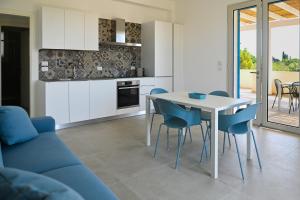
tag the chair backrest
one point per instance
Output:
(169, 109)
(243, 115)
(278, 86)
(295, 89)
(220, 93)
(157, 91)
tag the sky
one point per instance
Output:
(284, 38)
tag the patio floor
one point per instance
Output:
(281, 116)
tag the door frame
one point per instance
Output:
(231, 70)
(265, 72)
(32, 43)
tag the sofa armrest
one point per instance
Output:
(43, 124)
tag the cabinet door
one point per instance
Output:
(165, 83)
(79, 101)
(163, 49)
(57, 101)
(103, 98)
(53, 28)
(91, 38)
(74, 30)
(178, 57)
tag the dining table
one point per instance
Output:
(212, 104)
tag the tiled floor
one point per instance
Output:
(116, 152)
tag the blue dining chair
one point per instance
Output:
(238, 124)
(206, 116)
(156, 108)
(179, 118)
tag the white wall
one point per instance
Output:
(205, 42)
(146, 10)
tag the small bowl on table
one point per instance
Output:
(197, 95)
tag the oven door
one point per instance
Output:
(128, 96)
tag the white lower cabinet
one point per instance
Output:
(75, 101)
(165, 83)
(57, 101)
(103, 98)
(79, 101)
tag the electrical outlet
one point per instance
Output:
(99, 68)
(44, 63)
(44, 69)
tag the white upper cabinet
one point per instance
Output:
(68, 29)
(79, 100)
(52, 28)
(157, 49)
(91, 38)
(74, 30)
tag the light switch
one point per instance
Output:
(44, 63)
(44, 69)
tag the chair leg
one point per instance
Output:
(279, 102)
(190, 135)
(151, 123)
(180, 142)
(224, 139)
(274, 101)
(157, 141)
(257, 153)
(168, 135)
(185, 135)
(238, 153)
(204, 144)
(228, 135)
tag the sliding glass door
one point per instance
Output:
(264, 59)
(281, 61)
(244, 36)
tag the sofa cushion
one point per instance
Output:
(19, 184)
(1, 158)
(15, 125)
(82, 180)
(41, 154)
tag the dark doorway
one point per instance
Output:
(15, 66)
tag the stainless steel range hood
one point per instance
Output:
(119, 38)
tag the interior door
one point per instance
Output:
(281, 61)
(244, 52)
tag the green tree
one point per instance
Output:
(248, 61)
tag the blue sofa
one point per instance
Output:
(49, 156)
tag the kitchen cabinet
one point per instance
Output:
(56, 97)
(79, 92)
(165, 83)
(146, 85)
(157, 48)
(52, 28)
(74, 30)
(103, 98)
(91, 39)
(68, 29)
(178, 57)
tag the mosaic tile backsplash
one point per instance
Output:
(115, 61)
(107, 31)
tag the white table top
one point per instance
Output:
(210, 103)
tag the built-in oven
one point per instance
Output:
(128, 94)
